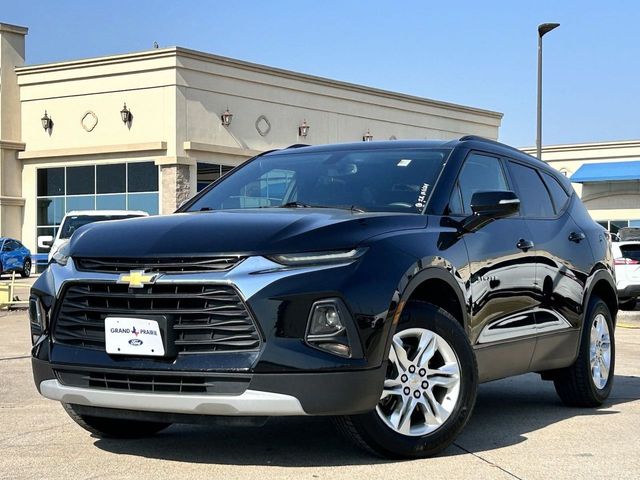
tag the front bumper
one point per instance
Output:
(277, 394)
(285, 376)
(250, 402)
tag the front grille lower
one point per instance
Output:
(205, 318)
(153, 382)
(158, 264)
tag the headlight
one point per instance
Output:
(61, 257)
(318, 258)
(37, 317)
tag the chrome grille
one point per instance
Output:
(205, 318)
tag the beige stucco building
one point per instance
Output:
(174, 139)
(606, 175)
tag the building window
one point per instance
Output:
(121, 186)
(210, 172)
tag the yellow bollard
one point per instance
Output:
(8, 298)
(4, 294)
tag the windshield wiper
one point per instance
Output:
(295, 204)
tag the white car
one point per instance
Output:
(626, 258)
(79, 218)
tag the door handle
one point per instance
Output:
(524, 245)
(576, 237)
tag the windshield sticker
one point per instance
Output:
(404, 163)
(422, 197)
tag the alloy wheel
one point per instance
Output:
(600, 351)
(422, 385)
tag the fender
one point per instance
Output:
(600, 273)
(438, 268)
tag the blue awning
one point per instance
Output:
(607, 172)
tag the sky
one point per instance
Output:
(477, 53)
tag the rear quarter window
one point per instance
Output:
(558, 194)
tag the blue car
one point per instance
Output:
(14, 257)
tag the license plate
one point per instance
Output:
(133, 336)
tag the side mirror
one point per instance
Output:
(490, 205)
(45, 241)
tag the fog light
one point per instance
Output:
(325, 320)
(337, 348)
(326, 328)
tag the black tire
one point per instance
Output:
(628, 304)
(114, 427)
(26, 269)
(371, 433)
(575, 385)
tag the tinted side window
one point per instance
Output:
(558, 194)
(479, 173)
(534, 197)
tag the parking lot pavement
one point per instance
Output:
(519, 429)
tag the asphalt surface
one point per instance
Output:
(519, 429)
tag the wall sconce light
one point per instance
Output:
(303, 129)
(226, 118)
(47, 122)
(367, 137)
(126, 115)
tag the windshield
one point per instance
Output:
(71, 224)
(381, 180)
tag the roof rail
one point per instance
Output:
(297, 145)
(478, 138)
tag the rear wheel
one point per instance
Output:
(588, 382)
(429, 391)
(114, 427)
(26, 269)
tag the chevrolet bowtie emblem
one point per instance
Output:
(137, 278)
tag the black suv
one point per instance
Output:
(375, 282)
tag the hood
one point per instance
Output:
(247, 232)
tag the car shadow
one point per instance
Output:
(505, 412)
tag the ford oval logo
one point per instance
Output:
(136, 342)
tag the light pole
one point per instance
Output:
(542, 29)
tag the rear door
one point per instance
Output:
(563, 261)
(502, 274)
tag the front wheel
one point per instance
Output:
(429, 390)
(114, 427)
(26, 269)
(588, 382)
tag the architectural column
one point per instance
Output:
(12, 50)
(177, 185)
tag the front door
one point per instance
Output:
(502, 275)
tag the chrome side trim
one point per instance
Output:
(249, 276)
(251, 402)
(510, 327)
